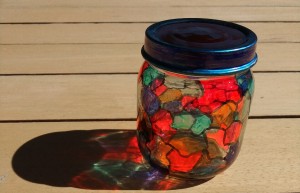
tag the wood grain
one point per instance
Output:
(117, 58)
(148, 3)
(114, 96)
(121, 33)
(268, 162)
(105, 36)
(145, 14)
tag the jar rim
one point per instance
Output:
(200, 46)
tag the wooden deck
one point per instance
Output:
(72, 65)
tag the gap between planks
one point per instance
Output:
(127, 119)
(120, 22)
(116, 73)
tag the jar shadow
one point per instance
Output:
(106, 159)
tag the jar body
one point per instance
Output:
(192, 125)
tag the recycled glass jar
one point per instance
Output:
(194, 94)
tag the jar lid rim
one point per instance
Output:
(180, 45)
(200, 72)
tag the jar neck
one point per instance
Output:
(194, 77)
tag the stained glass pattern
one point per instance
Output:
(192, 126)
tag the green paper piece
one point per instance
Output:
(240, 80)
(251, 87)
(149, 75)
(202, 122)
(236, 116)
(183, 121)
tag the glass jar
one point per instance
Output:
(194, 94)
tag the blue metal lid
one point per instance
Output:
(200, 46)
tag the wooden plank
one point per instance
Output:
(148, 3)
(269, 160)
(145, 14)
(121, 33)
(75, 58)
(114, 96)
(116, 58)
